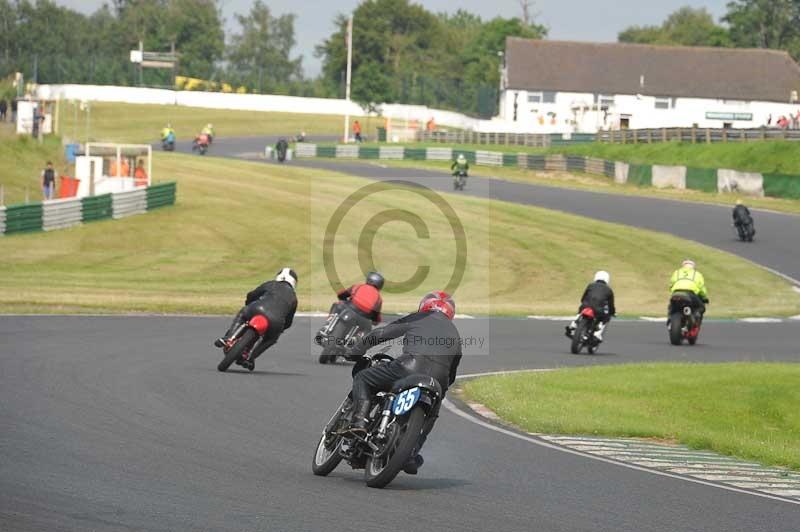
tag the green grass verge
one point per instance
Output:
(741, 409)
(22, 160)
(605, 184)
(117, 122)
(235, 223)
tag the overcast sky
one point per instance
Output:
(582, 20)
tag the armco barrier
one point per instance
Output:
(23, 218)
(326, 151)
(390, 152)
(640, 175)
(302, 149)
(704, 179)
(439, 154)
(60, 214)
(669, 177)
(488, 158)
(345, 151)
(576, 163)
(535, 162)
(510, 159)
(414, 154)
(129, 203)
(160, 195)
(368, 153)
(743, 182)
(96, 208)
(2, 220)
(782, 186)
(555, 163)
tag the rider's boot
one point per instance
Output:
(360, 420)
(413, 464)
(598, 334)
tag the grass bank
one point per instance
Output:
(236, 223)
(743, 410)
(117, 122)
(22, 160)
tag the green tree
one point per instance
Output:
(765, 24)
(261, 53)
(687, 27)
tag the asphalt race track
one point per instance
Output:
(124, 424)
(119, 424)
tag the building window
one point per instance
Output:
(663, 103)
(542, 97)
(605, 100)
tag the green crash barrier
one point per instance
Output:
(415, 154)
(96, 208)
(510, 159)
(368, 153)
(24, 218)
(609, 168)
(704, 179)
(161, 195)
(640, 175)
(326, 151)
(576, 163)
(782, 186)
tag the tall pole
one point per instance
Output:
(349, 75)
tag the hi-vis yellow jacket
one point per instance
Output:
(689, 280)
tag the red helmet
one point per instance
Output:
(440, 302)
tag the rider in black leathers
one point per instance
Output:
(274, 299)
(599, 297)
(742, 216)
(431, 346)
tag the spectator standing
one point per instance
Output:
(49, 181)
(140, 175)
(3, 110)
(357, 131)
(769, 120)
(783, 122)
(13, 110)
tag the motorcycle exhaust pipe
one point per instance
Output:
(687, 311)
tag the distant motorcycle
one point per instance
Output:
(459, 180)
(396, 420)
(583, 336)
(684, 322)
(168, 143)
(343, 328)
(281, 149)
(200, 144)
(745, 230)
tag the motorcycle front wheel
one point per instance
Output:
(577, 337)
(327, 455)
(380, 470)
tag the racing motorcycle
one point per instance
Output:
(583, 336)
(168, 144)
(244, 340)
(200, 144)
(281, 148)
(683, 323)
(745, 230)
(459, 180)
(343, 328)
(396, 421)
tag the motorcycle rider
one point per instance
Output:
(460, 165)
(281, 147)
(741, 216)
(431, 346)
(168, 134)
(365, 299)
(600, 297)
(277, 300)
(209, 131)
(688, 279)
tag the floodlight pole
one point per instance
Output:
(349, 76)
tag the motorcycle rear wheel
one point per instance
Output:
(379, 472)
(675, 325)
(327, 457)
(577, 337)
(245, 341)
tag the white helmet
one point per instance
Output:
(461, 159)
(602, 276)
(287, 275)
(688, 263)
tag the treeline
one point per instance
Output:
(747, 24)
(402, 52)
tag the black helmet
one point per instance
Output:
(375, 279)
